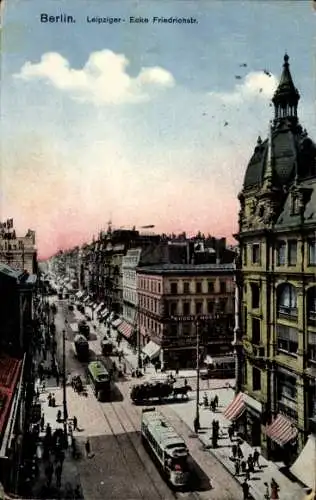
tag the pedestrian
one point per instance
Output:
(37, 393)
(250, 463)
(185, 382)
(256, 456)
(43, 386)
(230, 432)
(58, 416)
(239, 452)
(57, 378)
(274, 489)
(58, 473)
(87, 447)
(245, 489)
(49, 473)
(42, 422)
(243, 466)
(75, 423)
(237, 467)
(234, 451)
(216, 401)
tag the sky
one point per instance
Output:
(141, 123)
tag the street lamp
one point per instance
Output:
(64, 379)
(197, 413)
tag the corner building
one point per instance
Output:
(275, 340)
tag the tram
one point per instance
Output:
(100, 379)
(168, 448)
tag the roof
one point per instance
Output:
(287, 219)
(97, 369)
(18, 275)
(161, 430)
(192, 269)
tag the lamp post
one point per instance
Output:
(64, 379)
(197, 413)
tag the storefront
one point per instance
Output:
(282, 435)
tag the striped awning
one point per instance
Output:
(125, 329)
(281, 430)
(236, 408)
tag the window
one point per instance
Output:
(222, 305)
(174, 288)
(256, 379)
(210, 307)
(281, 248)
(245, 255)
(186, 287)
(287, 339)
(198, 287)
(210, 286)
(311, 306)
(198, 307)
(186, 329)
(256, 331)
(222, 286)
(287, 304)
(312, 347)
(255, 295)
(295, 207)
(256, 253)
(292, 252)
(173, 308)
(186, 308)
(312, 252)
(286, 387)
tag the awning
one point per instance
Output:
(10, 369)
(125, 329)
(104, 313)
(236, 408)
(116, 322)
(281, 430)
(99, 307)
(302, 468)
(151, 349)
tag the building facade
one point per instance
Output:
(171, 296)
(276, 338)
(18, 252)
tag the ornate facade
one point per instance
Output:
(18, 252)
(276, 336)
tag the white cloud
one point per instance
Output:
(102, 80)
(255, 84)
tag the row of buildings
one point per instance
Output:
(18, 343)
(275, 293)
(158, 287)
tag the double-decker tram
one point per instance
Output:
(100, 379)
(168, 447)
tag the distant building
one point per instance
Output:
(170, 293)
(18, 252)
(276, 339)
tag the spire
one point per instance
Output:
(286, 96)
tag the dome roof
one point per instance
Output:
(292, 153)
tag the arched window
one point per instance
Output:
(287, 301)
(311, 306)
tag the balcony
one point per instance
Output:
(311, 318)
(287, 312)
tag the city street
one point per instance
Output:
(120, 466)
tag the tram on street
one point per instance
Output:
(168, 447)
(99, 379)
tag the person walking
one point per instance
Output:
(230, 432)
(274, 490)
(234, 451)
(75, 423)
(196, 425)
(87, 447)
(256, 456)
(245, 489)
(42, 422)
(58, 473)
(237, 467)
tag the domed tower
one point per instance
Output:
(276, 291)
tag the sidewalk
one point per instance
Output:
(70, 477)
(288, 490)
